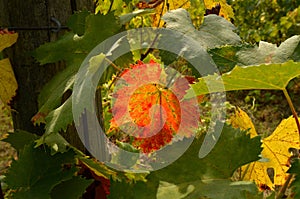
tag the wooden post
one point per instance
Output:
(31, 77)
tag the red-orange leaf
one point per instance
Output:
(148, 104)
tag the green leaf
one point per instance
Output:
(248, 77)
(52, 93)
(127, 17)
(36, 172)
(225, 57)
(227, 155)
(77, 22)
(57, 121)
(58, 118)
(20, 138)
(215, 30)
(136, 190)
(55, 141)
(269, 53)
(192, 177)
(213, 189)
(72, 49)
(295, 169)
(70, 189)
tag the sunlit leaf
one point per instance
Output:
(241, 120)
(275, 152)
(8, 83)
(148, 106)
(226, 57)
(249, 77)
(269, 53)
(215, 30)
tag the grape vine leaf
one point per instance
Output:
(215, 30)
(295, 168)
(19, 138)
(135, 190)
(248, 77)
(70, 189)
(198, 177)
(158, 112)
(269, 53)
(127, 17)
(275, 150)
(8, 83)
(213, 189)
(71, 48)
(77, 22)
(226, 57)
(36, 172)
(241, 120)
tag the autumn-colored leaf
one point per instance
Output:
(8, 83)
(148, 105)
(275, 152)
(241, 120)
(163, 8)
(7, 39)
(226, 10)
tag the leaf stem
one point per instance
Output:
(284, 187)
(286, 94)
(113, 65)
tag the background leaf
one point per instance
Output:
(295, 169)
(6, 40)
(8, 83)
(36, 172)
(70, 189)
(18, 139)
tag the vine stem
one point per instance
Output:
(290, 177)
(284, 187)
(288, 98)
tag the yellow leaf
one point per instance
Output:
(163, 8)
(241, 120)
(8, 83)
(6, 40)
(226, 10)
(276, 151)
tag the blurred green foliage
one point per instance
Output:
(268, 20)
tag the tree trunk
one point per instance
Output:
(31, 77)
